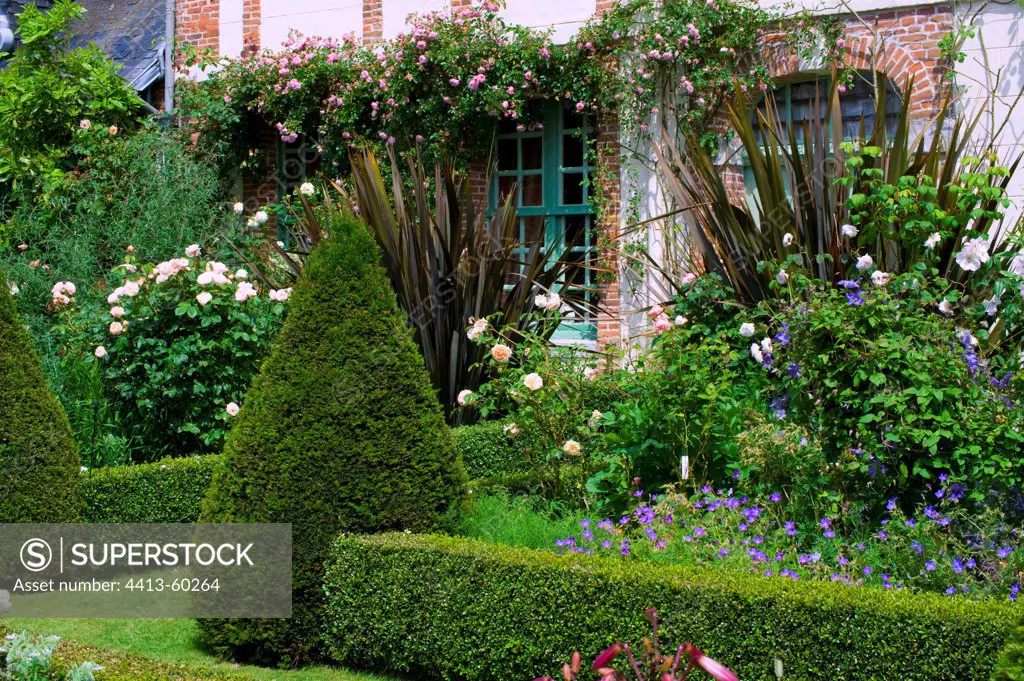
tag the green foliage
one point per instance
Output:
(47, 92)
(812, 183)
(142, 190)
(340, 431)
(447, 608)
(895, 393)
(73, 661)
(523, 521)
(178, 343)
(464, 275)
(39, 465)
(1010, 666)
(168, 491)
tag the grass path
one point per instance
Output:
(168, 640)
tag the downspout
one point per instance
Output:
(6, 33)
(169, 57)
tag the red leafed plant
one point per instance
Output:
(652, 665)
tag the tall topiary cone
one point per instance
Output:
(39, 466)
(341, 431)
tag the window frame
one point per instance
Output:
(552, 209)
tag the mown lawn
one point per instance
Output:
(168, 640)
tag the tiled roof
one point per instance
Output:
(131, 32)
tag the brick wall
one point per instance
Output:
(251, 18)
(373, 20)
(610, 324)
(197, 22)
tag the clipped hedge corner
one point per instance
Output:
(340, 431)
(448, 608)
(169, 491)
(1011, 662)
(39, 463)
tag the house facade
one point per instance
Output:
(892, 41)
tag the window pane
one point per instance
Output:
(571, 120)
(533, 229)
(576, 231)
(505, 185)
(533, 190)
(572, 151)
(508, 154)
(572, 189)
(533, 153)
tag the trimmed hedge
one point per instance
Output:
(341, 430)
(488, 453)
(39, 463)
(172, 490)
(448, 608)
(1011, 662)
(169, 491)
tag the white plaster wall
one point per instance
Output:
(396, 12)
(230, 28)
(995, 63)
(563, 17)
(328, 18)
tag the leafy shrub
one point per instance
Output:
(341, 430)
(169, 491)
(895, 393)
(39, 466)
(46, 90)
(178, 343)
(394, 601)
(1010, 666)
(142, 190)
(490, 450)
(552, 395)
(29, 657)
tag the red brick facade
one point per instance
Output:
(197, 22)
(899, 43)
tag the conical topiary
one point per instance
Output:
(39, 465)
(341, 431)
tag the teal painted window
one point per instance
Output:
(551, 168)
(803, 101)
(294, 160)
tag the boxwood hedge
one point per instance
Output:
(488, 453)
(1011, 662)
(172, 490)
(169, 491)
(449, 608)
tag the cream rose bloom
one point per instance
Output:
(501, 353)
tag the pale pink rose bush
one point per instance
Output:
(176, 342)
